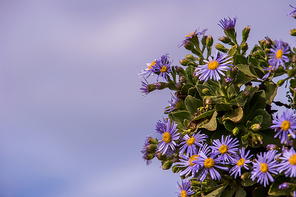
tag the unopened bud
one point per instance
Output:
(160, 85)
(184, 62)
(178, 85)
(220, 47)
(206, 91)
(208, 101)
(167, 165)
(256, 127)
(245, 33)
(175, 169)
(182, 79)
(271, 146)
(268, 41)
(246, 93)
(152, 140)
(209, 41)
(235, 131)
(194, 183)
(151, 87)
(245, 176)
(204, 40)
(262, 43)
(149, 156)
(293, 59)
(233, 71)
(293, 32)
(244, 47)
(151, 148)
(228, 80)
(225, 40)
(188, 45)
(160, 156)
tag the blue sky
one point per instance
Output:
(72, 118)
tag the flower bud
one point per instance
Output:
(194, 183)
(152, 141)
(256, 127)
(245, 176)
(245, 33)
(293, 32)
(271, 146)
(182, 79)
(151, 148)
(149, 156)
(225, 40)
(228, 80)
(184, 62)
(235, 131)
(188, 45)
(208, 101)
(206, 91)
(220, 47)
(246, 93)
(204, 40)
(262, 43)
(281, 82)
(244, 47)
(293, 59)
(160, 156)
(175, 169)
(233, 71)
(268, 41)
(209, 41)
(178, 85)
(167, 165)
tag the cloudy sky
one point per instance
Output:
(72, 118)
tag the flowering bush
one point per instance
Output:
(221, 134)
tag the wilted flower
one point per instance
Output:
(227, 24)
(284, 125)
(278, 54)
(214, 67)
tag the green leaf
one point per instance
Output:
(223, 107)
(270, 91)
(229, 125)
(240, 192)
(258, 101)
(189, 73)
(239, 59)
(232, 51)
(185, 88)
(247, 182)
(217, 192)
(179, 116)
(204, 115)
(260, 191)
(268, 137)
(258, 120)
(228, 192)
(266, 123)
(242, 78)
(200, 87)
(193, 92)
(218, 134)
(212, 124)
(234, 115)
(275, 191)
(246, 70)
(192, 104)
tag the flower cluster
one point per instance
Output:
(222, 134)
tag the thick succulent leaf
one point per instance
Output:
(212, 124)
(179, 116)
(275, 191)
(245, 69)
(270, 91)
(266, 123)
(217, 192)
(240, 192)
(192, 104)
(235, 115)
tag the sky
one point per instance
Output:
(72, 117)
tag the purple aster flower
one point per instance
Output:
(264, 166)
(148, 71)
(190, 143)
(145, 87)
(240, 162)
(163, 67)
(293, 13)
(227, 24)
(184, 189)
(189, 36)
(174, 100)
(146, 157)
(294, 193)
(271, 147)
(167, 143)
(278, 54)
(160, 126)
(288, 163)
(284, 186)
(214, 67)
(186, 161)
(208, 165)
(269, 69)
(285, 124)
(225, 149)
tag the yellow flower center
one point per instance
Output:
(183, 193)
(189, 35)
(264, 167)
(166, 137)
(213, 65)
(163, 69)
(292, 159)
(152, 64)
(279, 54)
(241, 162)
(191, 159)
(223, 149)
(285, 125)
(190, 141)
(209, 162)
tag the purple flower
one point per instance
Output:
(189, 36)
(288, 163)
(214, 67)
(145, 87)
(174, 100)
(148, 71)
(160, 126)
(167, 143)
(227, 24)
(240, 162)
(225, 149)
(293, 13)
(186, 161)
(184, 189)
(163, 67)
(264, 167)
(284, 186)
(208, 165)
(285, 124)
(190, 143)
(269, 69)
(278, 54)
